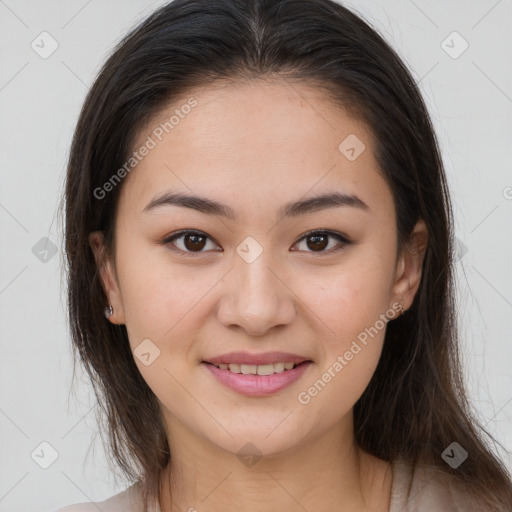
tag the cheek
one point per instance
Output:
(347, 299)
(347, 305)
(162, 301)
(350, 329)
(341, 381)
(162, 304)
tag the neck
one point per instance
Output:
(329, 473)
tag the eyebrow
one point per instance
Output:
(292, 209)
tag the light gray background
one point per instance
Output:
(470, 100)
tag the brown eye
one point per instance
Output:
(318, 241)
(190, 241)
(194, 242)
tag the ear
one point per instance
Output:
(409, 266)
(108, 277)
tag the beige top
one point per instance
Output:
(425, 490)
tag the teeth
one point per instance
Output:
(252, 369)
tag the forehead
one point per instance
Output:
(256, 142)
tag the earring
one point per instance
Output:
(109, 311)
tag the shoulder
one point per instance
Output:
(427, 488)
(128, 500)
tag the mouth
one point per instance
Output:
(257, 380)
(261, 369)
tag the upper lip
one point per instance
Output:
(257, 359)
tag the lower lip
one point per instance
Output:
(258, 385)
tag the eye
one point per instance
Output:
(193, 241)
(319, 240)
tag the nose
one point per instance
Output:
(256, 297)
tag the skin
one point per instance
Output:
(256, 146)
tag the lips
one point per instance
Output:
(264, 383)
(247, 358)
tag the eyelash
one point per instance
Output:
(338, 236)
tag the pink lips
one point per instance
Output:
(258, 385)
(257, 359)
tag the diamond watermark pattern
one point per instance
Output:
(249, 455)
(44, 250)
(147, 352)
(249, 250)
(460, 249)
(44, 45)
(351, 147)
(44, 455)
(454, 455)
(454, 45)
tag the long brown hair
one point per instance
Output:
(415, 405)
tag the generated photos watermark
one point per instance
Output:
(305, 397)
(158, 133)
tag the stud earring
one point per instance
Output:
(109, 311)
(402, 310)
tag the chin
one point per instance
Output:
(258, 443)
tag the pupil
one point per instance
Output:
(195, 244)
(317, 244)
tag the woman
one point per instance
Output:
(256, 203)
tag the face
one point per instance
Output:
(317, 280)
